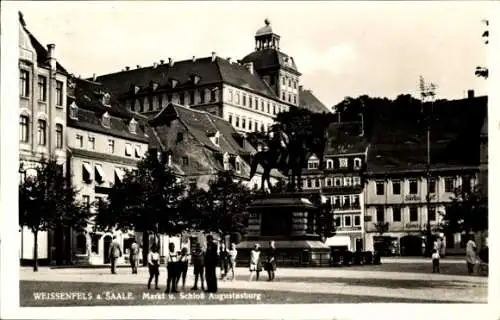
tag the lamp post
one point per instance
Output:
(428, 94)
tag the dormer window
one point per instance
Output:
(136, 89)
(313, 163)
(154, 85)
(237, 164)
(73, 111)
(173, 83)
(106, 121)
(329, 164)
(106, 98)
(195, 78)
(215, 138)
(357, 163)
(225, 160)
(132, 126)
(343, 162)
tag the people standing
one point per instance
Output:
(153, 266)
(172, 269)
(183, 267)
(471, 254)
(211, 264)
(115, 252)
(134, 256)
(255, 263)
(223, 259)
(435, 261)
(271, 261)
(233, 253)
(197, 258)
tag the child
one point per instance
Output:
(197, 258)
(435, 261)
(223, 258)
(172, 269)
(183, 267)
(255, 263)
(154, 266)
(233, 253)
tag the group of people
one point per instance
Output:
(269, 263)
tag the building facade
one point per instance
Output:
(42, 122)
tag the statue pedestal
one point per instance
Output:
(288, 219)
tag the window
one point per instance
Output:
(42, 88)
(86, 202)
(185, 161)
(230, 95)
(268, 107)
(24, 129)
(128, 149)
(243, 123)
(313, 164)
(295, 84)
(237, 123)
(343, 162)
(328, 182)
(313, 183)
(191, 97)
(308, 182)
(274, 109)
(111, 146)
(132, 126)
(283, 95)
(59, 136)
(230, 118)
(380, 188)
(466, 183)
(396, 214)
(106, 99)
(180, 136)
(73, 111)
(357, 163)
(356, 181)
(347, 221)
(81, 244)
(448, 184)
(262, 105)
(262, 129)
(244, 100)
(329, 164)
(338, 181)
(256, 127)
(138, 151)
(432, 186)
(357, 220)
(237, 166)
(237, 98)
(413, 186)
(24, 83)
(380, 214)
(42, 132)
(213, 94)
(95, 243)
(250, 124)
(250, 101)
(347, 181)
(182, 98)
(92, 143)
(355, 200)
(347, 201)
(396, 187)
(202, 96)
(106, 120)
(79, 140)
(294, 99)
(59, 93)
(337, 221)
(432, 214)
(413, 214)
(290, 83)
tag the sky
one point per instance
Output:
(341, 48)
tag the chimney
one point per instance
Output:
(138, 66)
(213, 56)
(470, 94)
(194, 59)
(229, 59)
(249, 67)
(170, 62)
(301, 87)
(162, 61)
(94, 77)
(127, 68)
(155, 65)
(51, 56)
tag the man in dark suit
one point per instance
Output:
(211, 264)
(115, 252)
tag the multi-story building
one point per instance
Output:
(42, 121)
(104, 140)
(247, 93)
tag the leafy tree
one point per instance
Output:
(222, 208)
(468, 211)
(47, 201)
(147, 201)
(483, 71)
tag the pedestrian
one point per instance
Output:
(183, 267)
(172, 269)
(115, 252)
(224, 260)
(134, 256)
(197, 258)
(153, 266)
(233, 253)
(271, 261)
(471, 255)
(435, 261)
(211, 264)
(255, 263)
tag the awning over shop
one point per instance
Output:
(338, 241)
(100, 173)
(119, 174)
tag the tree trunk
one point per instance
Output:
(35, 251)
(145, 248)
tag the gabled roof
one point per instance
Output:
(310, 102)
(271, 59)
(209, 72)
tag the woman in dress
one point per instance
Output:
(255, 264)
(271, 261)
(233, 253)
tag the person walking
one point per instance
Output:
(183, 267)
(115, 252)
(153, 266)
(271, 261)
(435, 261)
(172, 269)
(197, 259)
(134, 256)
(211, 264)
(233, 253)
(471, 254)
(255, 263)
(223, 259)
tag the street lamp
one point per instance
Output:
(428, 93)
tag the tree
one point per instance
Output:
(47, 201)
(221, 209)
(483, 71)
(147, 201)
(468, 211)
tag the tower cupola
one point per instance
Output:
(265, 38)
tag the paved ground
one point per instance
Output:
(292, 285)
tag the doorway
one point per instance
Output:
(107, 243)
